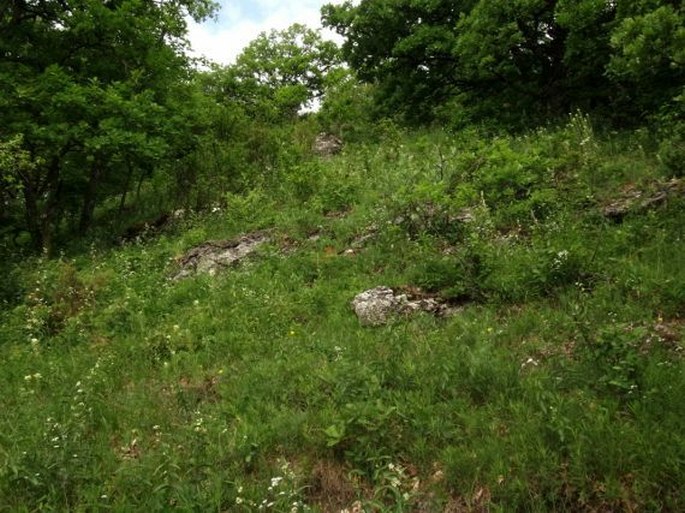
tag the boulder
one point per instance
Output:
(374, 307)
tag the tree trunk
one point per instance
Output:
(122, 202)
(32, 216)
(52, 203)
(41, 219)
(89, 200)
(140, 185)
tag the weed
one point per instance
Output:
(557, 385)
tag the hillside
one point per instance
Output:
(551, 380)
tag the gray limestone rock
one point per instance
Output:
(634, 200)
(327, 145)
(377, 306)
(213, 256)
(374, 307)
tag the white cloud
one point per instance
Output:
(223, 41)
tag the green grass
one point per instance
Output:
(559, 387)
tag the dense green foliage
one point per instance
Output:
(280, 73)
(99, 100)
(521, 60)
(95, 91)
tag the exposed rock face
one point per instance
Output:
(634, 200)
(213, 256)
(327, 145)
(376, 306)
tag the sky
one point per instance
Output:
(241, 21)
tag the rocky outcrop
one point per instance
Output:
(214, 256)
(635, 200)
(327, 145)
(377, 306)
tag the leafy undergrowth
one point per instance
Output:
(558, 387)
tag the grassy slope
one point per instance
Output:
(559, 387)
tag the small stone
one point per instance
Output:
(327, 145)
(466, 215)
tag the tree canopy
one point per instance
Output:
(98, 96)
(523, 57)
(281, 72)
(87, 86)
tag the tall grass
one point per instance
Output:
(558, 386)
